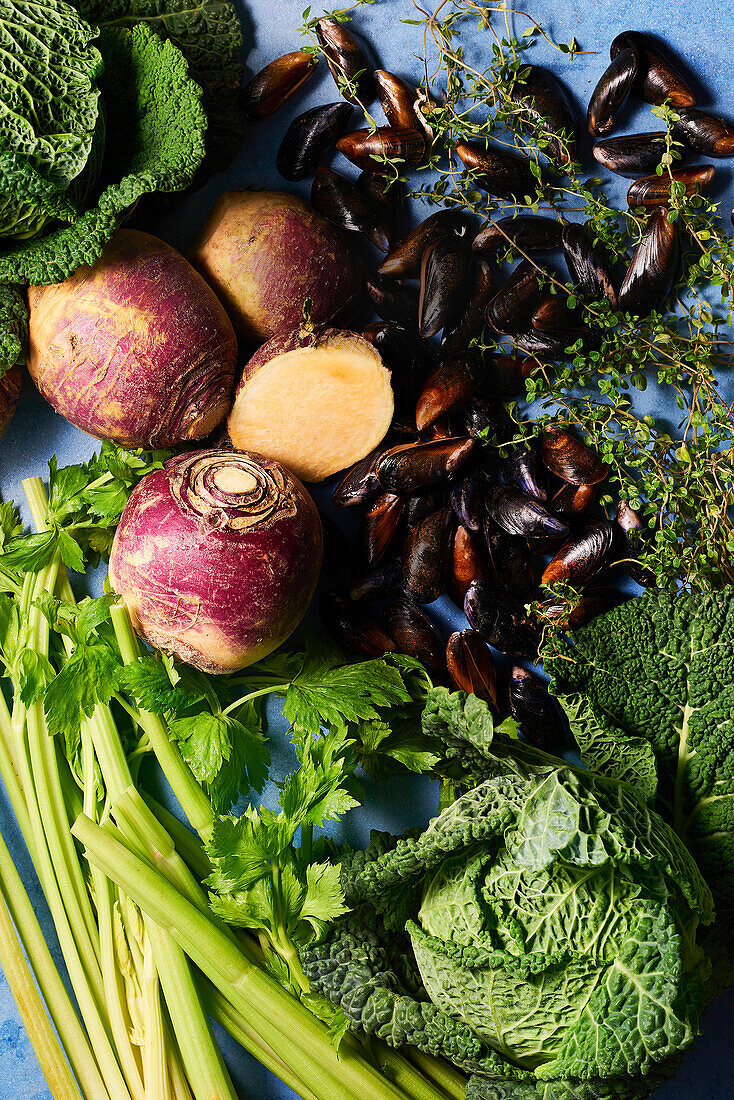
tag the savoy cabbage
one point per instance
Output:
(540, 933)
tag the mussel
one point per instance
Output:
(405, 258)
(541, 344)
(347, 61)
(379, 527)
(522, 468)
(379, 583)
(416, 635)
(426, 556)
(500, 620)
(354, 628)
(447, 388)
(526, 232)
(655, 190)
(511, 309)
(632, 535)
(587, 265)
(396, 99)
(369, 149)
(704, 133)
(408, 357)
(269, 89)
(657, 78)
(576, 611)
(610, 93)
(570, 459)
(467, 500)
(534, 710)
(582, 556)
(471, 666)
(393, 300)
(345, 204)
(385, 192)
(519, 514)
(497, 172)
(573, 500)
(544, 102)
(631, 155)
(411, 466)
(505, 375)
(552, 317)
(445, 269)
(467, 563)
(422, 504)
(359, 484)
(308, 137)
(458, 336)
(509, 560)
(652, 268)
(485, 416)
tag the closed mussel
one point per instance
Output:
(359, 484)
(467, 563)
(447, 388)
(610, 93)
(385, 192)
(426, 556)
(534, 710)
(497, 172)
(509, 560)
(527, 232)
(704, 133)
(310, 136)
(458, 336)
(658, 79)
(500, 620)
(632, 536)
(396, 99)
(269, 89)
(421, 504)
(543, 345)
(486, 417)
(582, 556)
(373, 149)
(588, 265)
(355, 628)
(416, 635)
(511, 309)
(467, 500)
(408, 357)
(394, 300)
(519, 514)
(381, 582)
(570, 459)
(345, 204)
(573, 500)
(347, 61)
(575, 611)
(552, 317)
(379, 527)
(522, 468)
(631, 155)
(505, 375)
(411, 466)
(652, 268)
(655, 190)
(471, 666)
(405, 258)
(544, 102)
(445, 269)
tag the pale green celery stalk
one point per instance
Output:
(188, 845)
(445, 1075)
(245, 985)
(400, 1070)
(155, 1063)
(192, 799)
(179, 1085)
(11, 777)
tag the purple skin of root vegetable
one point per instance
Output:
(216, 557)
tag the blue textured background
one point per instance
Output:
(701, 33)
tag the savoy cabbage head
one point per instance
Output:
(552, 920)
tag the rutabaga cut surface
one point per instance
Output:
(316, 408)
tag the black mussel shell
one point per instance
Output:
(511, 309)
(500, 620)
(652, 268)
(445, 270)
(570, 459)
(505, 375)
(413, 466)
(394, 300)
(582, 556)
(458, 336)
(408, 357)
(704, 133)
(552, 317)
(422, 504)
(509, 558)
(379, 527)
(359, 484)
(609, 95)
(310, 136)
(354, 628)
(542, 344)
(416, 635)
(579, 611)
(631, 155)
(467, 500)
(483, 414)
(655, 190)
(426, 556)
(447, 388)
(522, 468)
(527, 232)
(363, 146)
(386, 193)
(379, 583)
(345, 204)
(587, 265)
(519, 514)
(534, 710)
(347, 60)
(396, 99)
(657, 79)
(546, 103)
(269, 89)
(468, 563)
(497, 172)
(405, 258)
(573, 500)
(632, 535)
(471, 666)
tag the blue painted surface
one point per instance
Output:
(701, 33)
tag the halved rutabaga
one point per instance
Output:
(316, 400)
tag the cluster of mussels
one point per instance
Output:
(489, 526)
